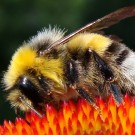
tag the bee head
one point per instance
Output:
(32, 78)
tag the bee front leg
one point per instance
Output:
(72, 73)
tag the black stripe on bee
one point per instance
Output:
(71, 72)
(30, 90)
(104, 68)
(41, 47)
(114, 48)
(122, 56)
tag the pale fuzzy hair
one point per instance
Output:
(47, 35)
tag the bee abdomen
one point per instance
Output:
(123, 58)
(119, 51)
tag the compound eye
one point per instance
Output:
(29, 89)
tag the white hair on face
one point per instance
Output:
(50, 35)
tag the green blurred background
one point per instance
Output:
(21, 19)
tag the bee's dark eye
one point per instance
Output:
(30, 90)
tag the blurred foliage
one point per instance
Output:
(21, 19)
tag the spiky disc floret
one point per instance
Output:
(77, 119)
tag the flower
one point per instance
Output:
(77, 118)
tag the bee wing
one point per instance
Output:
(99, 24)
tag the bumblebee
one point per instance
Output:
(51, 67)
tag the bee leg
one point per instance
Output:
(82, 92)
(29, 106)
(71, 72)
(104, 68)
(102, 65)
(116, 93)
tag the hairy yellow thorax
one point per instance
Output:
(26, 58)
